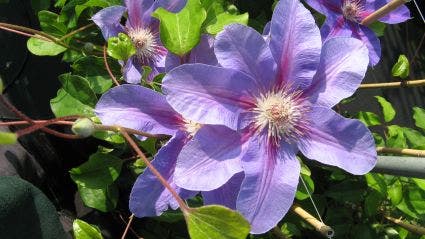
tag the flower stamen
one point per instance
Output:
(145, 42)
(352, 9)
(282, 114)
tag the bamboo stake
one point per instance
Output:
(319, 226)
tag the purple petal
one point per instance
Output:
(136, 10)
(343, 64)
(202, 53)
(369, 38)
(212, 157)
(295, 43)
(171, 5)
(132, 71)
(139, 108)
(335, 26)
(339, 27)
(210, 95)
(269, 187)
(108, 20)
(225, 195)
(401, 14)
(148, 196)
(326, 7)
(242, 48)
(337, 141)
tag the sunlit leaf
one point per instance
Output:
(218, 16)
(401, 68)
(387, 109)
(372, 202)
(419, 117)
(377, 182)
(302, 192)
(44, 48)
(83, 230)
(395, 192)
(213, 221)
(396, 137)
(368, 118)
(64, 104)
(180, 32)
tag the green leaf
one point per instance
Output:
(181, 31)
(401, 68)
(60, 3)
(290, 230)
(348, 190)
(226, 19)
(109, 136)
(379, 140)
(83, 230)
(378, 28)
(396, 137)
(51, 24)
(93, 69)
(419, 182)
(387, 109)
(213, 221)
(372, 202)
(44, 48)
(38, 5)
(8, 138)
(395, 192)
(368, 118)
(377, 182)
(79, 88)
(121, 47)
(64, 104)
(419, 117)
(302, 193)
(99, 171)
(91, 3)
(218, 16)
(103, 199)
(413, 203)
(415, 138)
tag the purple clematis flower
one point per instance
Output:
(343, 18)
(143, 30)
(139, 108)
(278, 96)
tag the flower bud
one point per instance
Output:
(83, 127)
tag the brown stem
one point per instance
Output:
(105, 60)
(28, 119)
(38, 126)
(381, 12)
(410, 152)
(411, 83)
(164, 182)
(128, 226)
(76, 31)
(410, 227)
(13, 123)
(319, 226)
(24, 33)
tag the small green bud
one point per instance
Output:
(8, 138)
(83, 127)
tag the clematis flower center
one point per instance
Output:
(281, 113)
(191, 127)
(145, 42)
(351, 10)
